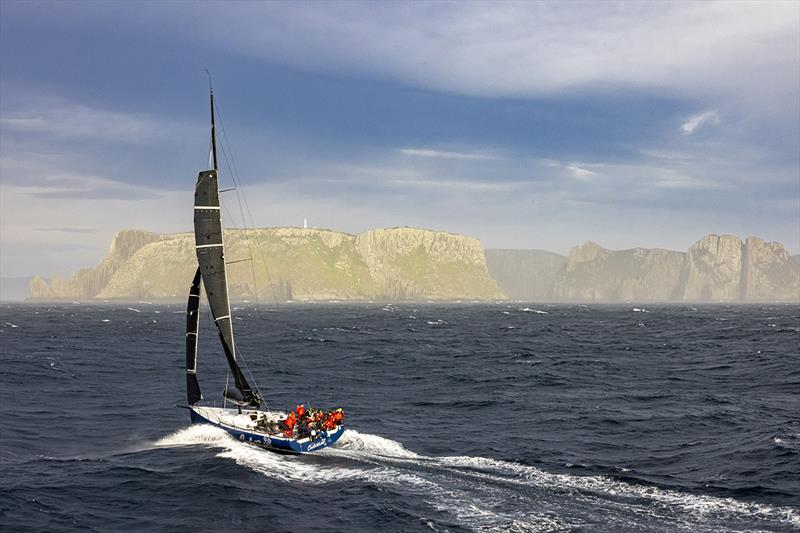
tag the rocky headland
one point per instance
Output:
(279, 264)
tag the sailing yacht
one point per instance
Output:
(299, 431)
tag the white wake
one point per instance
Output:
(489, 494)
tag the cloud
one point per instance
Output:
(67, 230)
(685, 182)
(422, 152)
(696, 121)
(50, 177)
(454, 185)
(79, 122)
(745, 50)
(529, 49)
(579, 172)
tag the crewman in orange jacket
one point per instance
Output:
(338, 416)
(301, 411)
(291, 420)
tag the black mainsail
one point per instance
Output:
(211, 261)
(192, 322)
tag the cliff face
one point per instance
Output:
(525, 274)
(422, 264)
(290, 263)
(594, 273)
(769, 272)
(716, 268)
(713, 269)
(90, 281)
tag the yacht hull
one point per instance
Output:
(236, 425)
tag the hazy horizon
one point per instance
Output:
(527, 126)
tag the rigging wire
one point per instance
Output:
(244, 206)
(244, 222)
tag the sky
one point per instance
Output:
(526, 125)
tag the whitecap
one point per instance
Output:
(536, 311)
(134, 310)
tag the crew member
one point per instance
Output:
(289, 424)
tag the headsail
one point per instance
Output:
(211, 259)
(192, 321)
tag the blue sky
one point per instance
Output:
(526, 125)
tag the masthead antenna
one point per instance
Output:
(213, 128)
(210, 88)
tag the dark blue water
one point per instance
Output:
(460, 417)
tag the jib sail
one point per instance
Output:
(192, 322)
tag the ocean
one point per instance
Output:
(460, 417)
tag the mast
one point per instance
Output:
(213, 128)
(210, 252)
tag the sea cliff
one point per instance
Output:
(715, 268)
(278, 264)
(525, 274)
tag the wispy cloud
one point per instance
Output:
(78, 122)
(67, 230)
(444, 154)
(72, 186)
(576, 170)
(454, 185)
(580, 172)
(696, 121)
(685, 182)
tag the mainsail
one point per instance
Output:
(211, 260)
(192, 322)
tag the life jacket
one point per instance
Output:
(330, 422)
(290, 421)
(300, 411)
